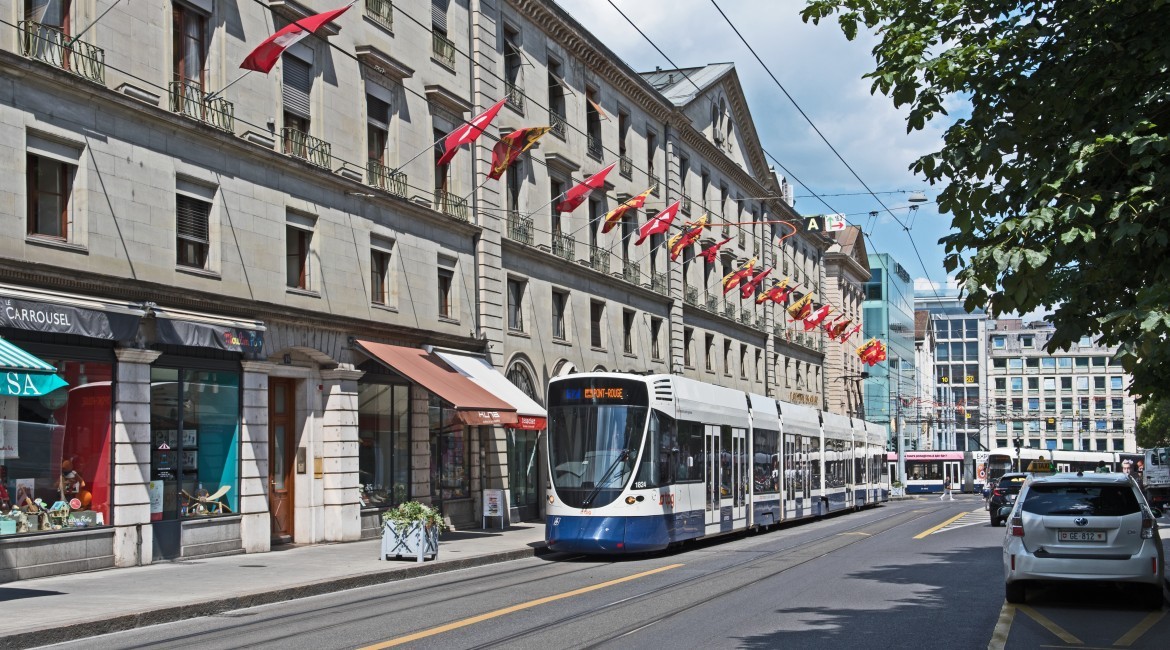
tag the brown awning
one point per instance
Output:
(473, 404)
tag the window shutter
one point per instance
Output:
(191, 216)
(297, 85)
(378, 112)
(439, 15)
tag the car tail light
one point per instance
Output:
(998, 492)
(1147, 525)
(1017, 526)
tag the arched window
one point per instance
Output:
(520, 377)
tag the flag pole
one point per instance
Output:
(74, 40)
(211, 96)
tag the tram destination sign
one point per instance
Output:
(599, 391)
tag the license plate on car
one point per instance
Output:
(1080, 535)
(1011, 498)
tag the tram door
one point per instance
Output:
(711, 468)
(952, 469)
(736, 495)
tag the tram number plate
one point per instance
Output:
(1080, 535)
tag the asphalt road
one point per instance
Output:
(918, 573)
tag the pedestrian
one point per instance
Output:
(1102, 468)
(946, 495)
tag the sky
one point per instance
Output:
(822, 71)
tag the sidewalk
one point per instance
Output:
(61, 608)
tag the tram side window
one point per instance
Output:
(814, 460)
(650, 474)
(791, 466)
(688, 463)
(766, 462)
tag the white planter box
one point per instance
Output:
(417, 542)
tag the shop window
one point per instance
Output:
(194, 422)
(450, 453)
(55, 452)
(383, 444)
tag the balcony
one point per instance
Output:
(779, 331)
(563, 246)
(514, 96)
(626, 166)
(188, 99)
(599, 259)
(557, 123)
(658, 282)
(51, 45)
(381, 12)
(384, 178)
(451, 205)
(632, 274)
(729, 311)
(691, 296)
(746, 317)
(593, 146)
(520, 227)
(655, 184)
(712, 304)
(304, 146)
(443, 49)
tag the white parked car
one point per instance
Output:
(1082, 527)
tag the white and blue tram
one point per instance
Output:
(640, 462)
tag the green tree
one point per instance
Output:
(1055, 171)
(1153, 427)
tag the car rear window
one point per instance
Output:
(1012, 483)
(1100, 500)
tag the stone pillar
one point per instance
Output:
(255, 524)
(130, 511)
(494, 452)
(339, 455)
(420, 444)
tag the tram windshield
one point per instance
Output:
(595, 430)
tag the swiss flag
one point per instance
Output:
(467, 133)
(581, 191)
(267, 53)
(748, 288)
(657, 224)
(815, 318)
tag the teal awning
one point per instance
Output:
(23, 375)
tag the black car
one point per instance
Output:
(1004, 494)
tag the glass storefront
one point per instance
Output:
(383, 444)
(450, 453)
(55, 452)
(194, 423)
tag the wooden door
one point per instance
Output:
(282, 414)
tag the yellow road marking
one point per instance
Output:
(943, 524)
(514, 608)
(1141, 628)
(1049, 625)
(999, 637)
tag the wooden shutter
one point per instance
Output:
(297, 85)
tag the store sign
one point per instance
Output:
(477, 417)
(807, 399)
(530, 423)
(206, 335)
(29, 384)
(65, 319)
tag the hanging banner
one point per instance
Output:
(67, 319)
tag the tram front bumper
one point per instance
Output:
(605, 535)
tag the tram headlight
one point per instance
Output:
(551, 499)
(630, 500)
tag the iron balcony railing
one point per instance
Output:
(658, 282)
(519, 227)
(443, 49)
(685, 204)
(632, 274)
(655, 184)
(626, 166)
(515, 97)
(593, 144)
(306, 147)
(451, 205)
(729, 311)
(563, 245)
(381, 12)
(187, 98)
(745, 317)
(599, 259)
(49, 44)
(712, 304)
(384, 178)
(778, 330)
(557, 122)
(691, 296)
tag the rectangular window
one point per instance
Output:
(450, 453)
(998, 342)
(1031, 362)
(1048, 363)
(377, 129)
(709, 352)
(743, 361)
(560, 303)
(1115, 403)
(727, 358)
(1050, 383)
(1082, 363)
(516, 305)
(298, 243)
(656, 339)
(1027, 341)
(1017, 384)
(298, 85)
(1015, 363)
(189, 35)
(1066, 383)
(1115, 383)
(688, 340)
(383, 443)
(1000, 383)
(1082, 383)
(446, 280)
(379, 276)
(50, 184)
(1098, 384)
(759, 362)
(1118, 444)
(596, 322)
(192, 231)
(628, 331)
(1064, 363)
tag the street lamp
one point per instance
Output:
(917, 197)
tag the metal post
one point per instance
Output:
(901, 445)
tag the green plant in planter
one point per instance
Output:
(412, 512)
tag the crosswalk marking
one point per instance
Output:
(973, 518)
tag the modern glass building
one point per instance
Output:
(960, 398)
(888, 314)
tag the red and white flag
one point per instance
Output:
(815, 318)
(581, 191)
(658, 224)
(750, 287)
(268, 53)
(467, 133)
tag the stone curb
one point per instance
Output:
(124, 622)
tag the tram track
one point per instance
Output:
(800, 554)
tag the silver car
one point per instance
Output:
(1074, 527)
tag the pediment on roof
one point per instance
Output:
(721, 103)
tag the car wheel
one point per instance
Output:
(1152, 596)
(1014, 592)
(994, 521)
